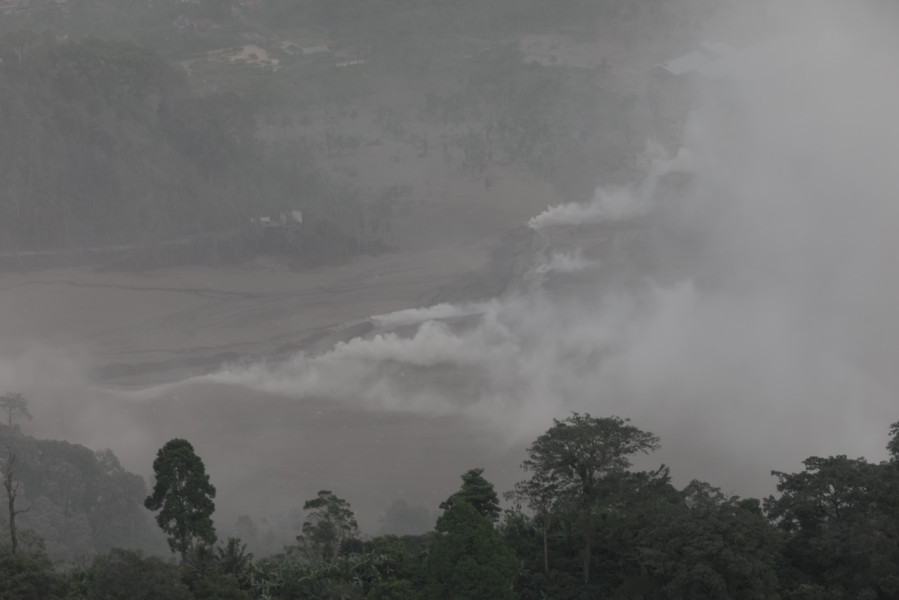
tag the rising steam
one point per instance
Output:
(745, 314)
(777, 338)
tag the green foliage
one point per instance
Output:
(26, 576)
(467, 560)
(90, 145)
(220, 572)
(581, 451)
(478, 492)
(841, 515)
(218, 586)
(79, 502)
(233, 559)
(330, 524)
(399, 562)
(893, 444)
(183, 496)
(106, 144)
(703, 545)
(350, 575)
(829, 535)
(128, 574)
(394, 589)
(580, 460)
(541, 494)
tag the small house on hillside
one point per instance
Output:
(291, 218)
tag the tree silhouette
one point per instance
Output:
(14, 405)
(12, 490)
(468, 559)
(478, 492)
(578, 457)
(183, 496)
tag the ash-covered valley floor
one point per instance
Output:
(373, 379)
(100, 355)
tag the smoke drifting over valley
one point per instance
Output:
(739, 302)
(746, 316)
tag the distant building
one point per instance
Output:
(350, 63)
(291, 218)
(183, 23)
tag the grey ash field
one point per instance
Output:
(84, 343)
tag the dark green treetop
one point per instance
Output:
(580, 457)
(183, 496)
(468, 560)
(478, 492)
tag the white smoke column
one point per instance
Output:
(609, 204)
(613, 204)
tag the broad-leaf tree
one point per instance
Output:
(541, 495)
(840, 514)
(128, 574)
(183, 496)
(329, 524)
(580, 457)
(702, 545)
(29, 576)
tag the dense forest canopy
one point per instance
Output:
(106, 145)
(73, 501)
(827, 534)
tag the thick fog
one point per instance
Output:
(739, 302)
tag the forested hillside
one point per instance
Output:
(581, 523)
(71, 501)
(105, 145)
